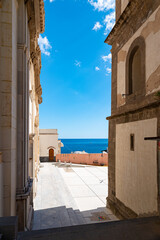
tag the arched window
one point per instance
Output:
(135, 67)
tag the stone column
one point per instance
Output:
(8, 102)
(23, 181)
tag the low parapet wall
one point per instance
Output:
(89, 158)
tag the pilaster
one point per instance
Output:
(8, 99)
(24, 184)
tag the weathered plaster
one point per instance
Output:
(122, 56)
(120, 100)
(152, 26)
(136, 171)
(150, 30)
(153, 83)
(124, 4)
(121, 77)
(139, 106)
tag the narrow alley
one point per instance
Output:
(70, 194)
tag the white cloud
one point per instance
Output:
(107, 58)
(109, 70)
(44, 45)
(109, 22)
(97, 26)
(51, 0)
(77, 63)
(97, 68)
(102, 5)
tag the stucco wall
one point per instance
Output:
(136, 171)
(150, 31)
(93, 158)
(48, 138)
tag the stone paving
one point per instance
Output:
(71, 194)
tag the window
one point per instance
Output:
(135, 75)
(132, 139)
(135, 67)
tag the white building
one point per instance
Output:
(49, 144)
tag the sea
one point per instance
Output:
(87, 145)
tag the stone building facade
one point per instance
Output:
(134, 177)
(21, 22)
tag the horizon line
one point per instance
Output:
(83, 138)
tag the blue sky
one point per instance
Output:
(76, 67)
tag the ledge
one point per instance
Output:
(138, 109)
(42, 16)
(26, 193)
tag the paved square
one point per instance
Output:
(71, 194)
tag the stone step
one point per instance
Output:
(76, 217)
(81, 219)
(133, 229)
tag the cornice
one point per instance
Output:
(135, 110)
(36, 23)
(131, 7)
(39, 99)
(36, 15)
(36, 121)
(39, 90)
(31, 136)
(42, 16)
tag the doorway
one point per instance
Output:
(51, 154)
